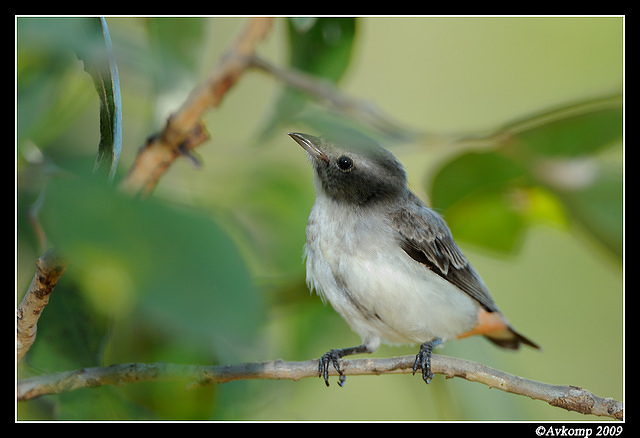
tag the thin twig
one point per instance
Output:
(324, 91)
(184, 130)
(49, 269)
(571, 398)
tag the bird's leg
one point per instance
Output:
(333, 357)
(423, 359)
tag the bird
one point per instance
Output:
(386, 262)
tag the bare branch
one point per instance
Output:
(49, 269)
(324, 91)
(570, 398)
(183, 130)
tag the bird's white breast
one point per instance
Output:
(356, 263)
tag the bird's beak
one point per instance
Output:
(310, 144)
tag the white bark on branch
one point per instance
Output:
(49, 269)
(571, 398)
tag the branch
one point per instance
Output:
(184, 130)
(571, 398)
(49, 269)
(350, 106)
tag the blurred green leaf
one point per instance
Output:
(570, 142)
(465, 175)
(49, 104)
(98, 404)
(50, 92)
(178, 264)
(50, 97)
(71, 336)
(598, 207)
(488, 219)
(176, 45)
(321, 47)
(302, 24)
(101, 65)
(485, 196)
(274, 208)
(74, 332)
(578, 129)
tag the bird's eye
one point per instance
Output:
(345, 163)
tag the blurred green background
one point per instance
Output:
(209, 269)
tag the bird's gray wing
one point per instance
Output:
(426, 238)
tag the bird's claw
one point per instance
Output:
(331, 357)
(423, 359)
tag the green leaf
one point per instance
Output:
(578, 134)
(487, 196)
(71, 332)
(569, 146)
(51, 90)
(490, 220)
(176, 264)
(598, 208)
(581, 128)
(321, 47)
(472, 191)
(302, 24)
(175, 45)
(472, 172)
(101, 65)
(324, 48)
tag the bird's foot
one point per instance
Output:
(423, 359)
(332, 357)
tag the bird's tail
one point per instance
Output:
(510, 339)
(495, 327)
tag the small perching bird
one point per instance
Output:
(387, 263)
